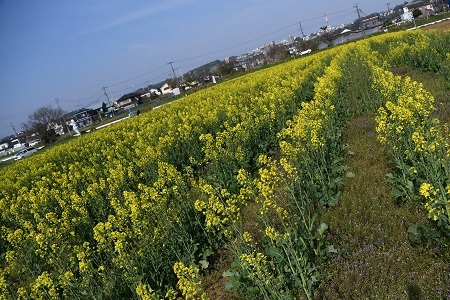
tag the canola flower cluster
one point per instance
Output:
(188, 282)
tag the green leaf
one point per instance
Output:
(339, 168)
(410, 185)
(236, 263)
(233, 284)
(331, 249)
(396, 193)
(350, 174)
(414, 234)
(204, 263)
(275, 253)
(208, 252)
(228, 273)
(322, 228)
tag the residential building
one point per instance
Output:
(371, 22)
(83, 118)
(166, 89)
(230, 59)
(425, 9)
(129, 100)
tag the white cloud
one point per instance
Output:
(140, 13)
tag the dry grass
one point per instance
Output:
(444, 25)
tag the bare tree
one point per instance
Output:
(40, 122)
(327, 37)
(172, 82)
(309, 44)
(277, 53)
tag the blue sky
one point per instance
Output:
(70, 50)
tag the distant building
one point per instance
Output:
(230, 59)
(268, 45)
(17, 145)
(425, 9)
(371, 22)
(407, 16)
(83, 118)
(165, 89)
(155, 91)
(129, 100)
(289, 41)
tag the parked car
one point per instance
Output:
(25, 153)
(305, 52)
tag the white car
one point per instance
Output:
(25, 153)
(305, 52)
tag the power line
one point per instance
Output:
(128, 80)
(260, 37)
(82, 99)
(145, 82)
(13, 116)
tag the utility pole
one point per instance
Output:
(110, 105)
(359, 18)
(14, 129)
(64, 121)
(388, 7)
(173, 71)
(301, 29)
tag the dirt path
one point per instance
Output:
(376, 260)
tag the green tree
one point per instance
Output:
(225, 68)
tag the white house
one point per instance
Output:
(425, 9)
(166, 89)
(155, 91)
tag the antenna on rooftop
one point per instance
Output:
(328, 23)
